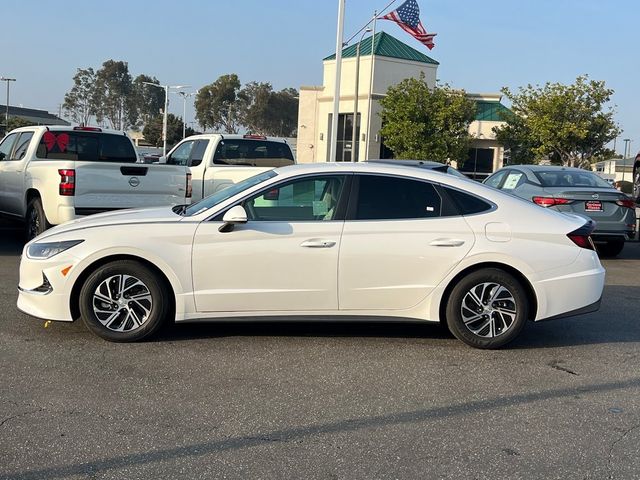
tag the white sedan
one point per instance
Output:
(321, 241)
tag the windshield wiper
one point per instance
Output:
(180, 209)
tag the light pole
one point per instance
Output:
(355, 141)
(165, 113)
(184, 96)
(6, 125)
(624, 157)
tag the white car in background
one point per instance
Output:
(320, 240)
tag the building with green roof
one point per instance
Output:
(383, 61)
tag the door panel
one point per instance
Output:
(395, 264)
(266, 266)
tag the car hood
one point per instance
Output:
(118, 217)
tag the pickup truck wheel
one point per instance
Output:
(36, 220)
(124, 301)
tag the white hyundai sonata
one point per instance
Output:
(321, 240)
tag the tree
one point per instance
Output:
(79, 102)
(569, 124)
(148, 100)
(266, 112)
(423, 123)
(153, 130)
(113, 95)
(217, 104)
(17, 122)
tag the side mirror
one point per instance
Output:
(235, 215)
(162, 160)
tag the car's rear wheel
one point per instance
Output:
(610, 248)
(36, 220)
(124, 301)
(487, 309)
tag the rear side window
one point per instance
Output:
(467, 204)
(392, 198)
(86, 146)
(255, 153)
(22, 145)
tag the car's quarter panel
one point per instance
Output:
(395, 264)
(266, 265)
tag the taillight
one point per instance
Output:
(67, 182)
(627, 203)
(582, 236)
(189, 186)
(551, 201)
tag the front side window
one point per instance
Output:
(21, 145)
(308, 199)
(226, 193)
(495, 179)
(181, 154)
(7, 145)
(392, 198)
(514, 179)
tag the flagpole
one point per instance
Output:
(333, 138)
(370, 99)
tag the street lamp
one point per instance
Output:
(184, 96)
(5, 79)
(624, 157)
(355, 141)
(166, 108)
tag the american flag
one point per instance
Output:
(407, 16)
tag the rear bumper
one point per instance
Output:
(594, 307)
(571, 292)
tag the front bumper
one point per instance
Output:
(44, 290)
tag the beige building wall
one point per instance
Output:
(388, 71)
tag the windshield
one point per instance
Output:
(225, 194)
(570, 178)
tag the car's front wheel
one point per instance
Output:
(487, 309)
(124, 301)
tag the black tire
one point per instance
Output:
(36, 220)
(611, 248)
(493, 327)
(110, 309)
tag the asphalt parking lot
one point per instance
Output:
(322, 400)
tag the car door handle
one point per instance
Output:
(447, 242)
(315, 243)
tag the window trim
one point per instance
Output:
(341, 209)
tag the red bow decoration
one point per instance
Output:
(51, 140)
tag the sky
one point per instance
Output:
(481, 46)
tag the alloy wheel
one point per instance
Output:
(488, 310)
(122, 303)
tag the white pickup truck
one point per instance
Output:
(217, 161)
(49, 175)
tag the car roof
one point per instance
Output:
(547, 168)
(66, 128)
(235, 136)
(413, 163)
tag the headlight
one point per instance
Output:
(47, 250)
